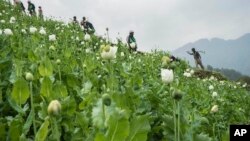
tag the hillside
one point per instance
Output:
(58, 83)
(220, 53)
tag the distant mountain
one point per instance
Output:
(220, 53)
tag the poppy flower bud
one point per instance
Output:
(214, 109)
(58, 61)
(54, 107)
(106, 99)
(29, 76)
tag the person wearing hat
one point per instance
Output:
(31, 8)
(197, 58)
(131, 41)
(88, 27)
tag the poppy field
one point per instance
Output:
(58, 83)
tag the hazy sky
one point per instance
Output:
(163, 24)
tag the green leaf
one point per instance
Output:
(15, 106)
(20, 92)
(67, 53)
(100, 137)
(28, 123)
(31, 55)
(202, 137)
(139, 128)
(225, 136)
(13, 77)
(55, 134)
(46, 88)
(72, 80)
(82, 105)
(45, 68)
(87, 87)
(138, 80)
(60, 91)
(3, 133)
(81, 119)
(15, 130)
(69, 106)
(169, 121)
(1, 95)
(118, 128)
(23, 138)
(43, 131)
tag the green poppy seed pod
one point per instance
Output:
(106, 99)
(177, 95)
(29, 76)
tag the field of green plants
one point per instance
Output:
(57, 83)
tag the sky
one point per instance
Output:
(157, 24)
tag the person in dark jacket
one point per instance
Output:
(88, 27)
(131, 41)
(31, 8)
(197, 58)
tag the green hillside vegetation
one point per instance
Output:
(231, 74)
(71, 87)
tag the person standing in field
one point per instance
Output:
(40, 12)
(75, 21)
(197, 58)
(19, 5)
(88, 26)
(131, 41)
(31, 8)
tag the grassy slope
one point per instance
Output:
(133, 81)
